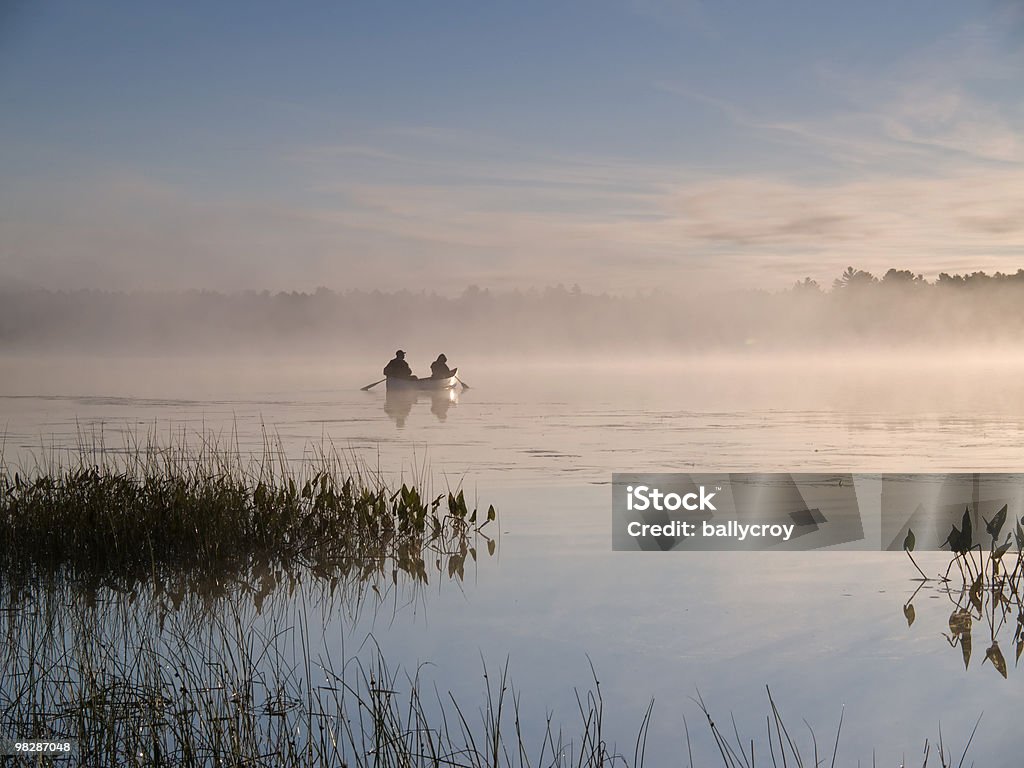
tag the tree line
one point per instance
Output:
(904, 278)
(898, 308)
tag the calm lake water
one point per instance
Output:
(825, 630)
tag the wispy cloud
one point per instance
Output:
(606, 226)
(943, 107)
(922, 171)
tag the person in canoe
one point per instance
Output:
(439, 368)
(398, 368)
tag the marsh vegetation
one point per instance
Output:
(166, 605)
(202, 513)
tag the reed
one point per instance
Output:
(204, 510)
(259, 689)
(93, 652)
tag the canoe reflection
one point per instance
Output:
(398, 403)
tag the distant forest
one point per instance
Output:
(858, 308)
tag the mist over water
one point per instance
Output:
(899, 312)
(539, 423)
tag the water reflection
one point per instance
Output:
(398, 404)
(136, 683)
(391, 570)
(137, 670)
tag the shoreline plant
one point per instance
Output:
(203, 513)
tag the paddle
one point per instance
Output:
(464, 384)
(368, 387)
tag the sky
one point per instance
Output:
(620, 146)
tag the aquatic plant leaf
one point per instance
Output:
(1000, 551)
(490, 546)
(909, 613)
(960, 539)
(456, 506)
(960, 622)
(965, 648)
(457, 566)
(910, 541)
(994, 655)
(953, 539)
(1019, 535)
(491, 514)
(975, 594)
(995, 525)
(1020, 647)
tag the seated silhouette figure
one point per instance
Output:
(398, 368)
(439, 368)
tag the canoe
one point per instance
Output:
(419, 385)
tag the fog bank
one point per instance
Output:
(897, 311)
